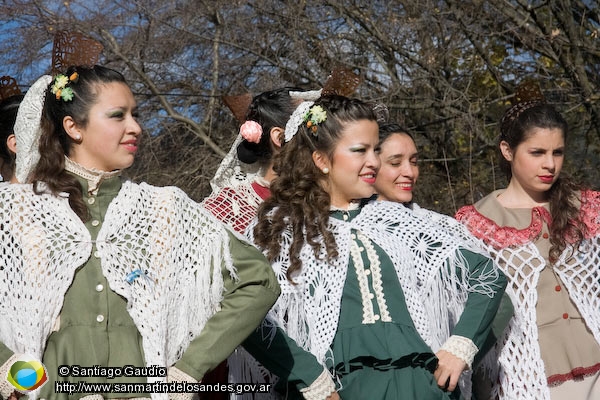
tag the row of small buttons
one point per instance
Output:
(99, 287)
(366, 271)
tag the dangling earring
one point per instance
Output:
(325, 170)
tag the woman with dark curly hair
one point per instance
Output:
(241, 189)
(392, 304)
(543, 230)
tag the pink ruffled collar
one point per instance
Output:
(505, 236)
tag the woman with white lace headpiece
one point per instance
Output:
(544, 232)
(242, 180)
(99, 272)
(241, 184)
(371, 289)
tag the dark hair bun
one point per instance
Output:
(248, 153)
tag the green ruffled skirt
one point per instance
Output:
(386, 361)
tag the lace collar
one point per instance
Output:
(93, 176)
(486, 228)
(346, 214)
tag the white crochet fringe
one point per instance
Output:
(158, 230)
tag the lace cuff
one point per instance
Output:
(174, 374)
(6, 388)
(320, 389)
(461, 347)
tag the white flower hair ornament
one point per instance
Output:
(297, 117)
(314, 117)
(60, 86)
(27, 128)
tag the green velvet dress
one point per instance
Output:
(365, 353)
(385, 358)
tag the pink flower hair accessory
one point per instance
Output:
(251, 131)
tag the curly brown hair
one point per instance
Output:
(298, 199)
(515, 127)
(55, 144)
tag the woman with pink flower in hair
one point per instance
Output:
(242, 184)
(242, 180)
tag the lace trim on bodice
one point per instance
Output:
(93, 176)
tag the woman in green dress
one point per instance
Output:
(396, 181)
(99, 273)
(390, 302)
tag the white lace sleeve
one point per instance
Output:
(461, 347)
(320, 389)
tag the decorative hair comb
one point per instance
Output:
(342, 82)
(527, 95)
(238, 105)
(73, 48)
(8, 87)
(381, 112)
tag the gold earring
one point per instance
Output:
(325, 170)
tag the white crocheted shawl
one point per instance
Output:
(158, 230)
(423, 248)
(521, 373)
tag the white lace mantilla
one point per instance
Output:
(27, 128)
(521, 374)
(233, 172)
(161, 231)
(423, 248)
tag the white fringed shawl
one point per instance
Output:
(158, 230)
(521, 371)
(423, 248)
